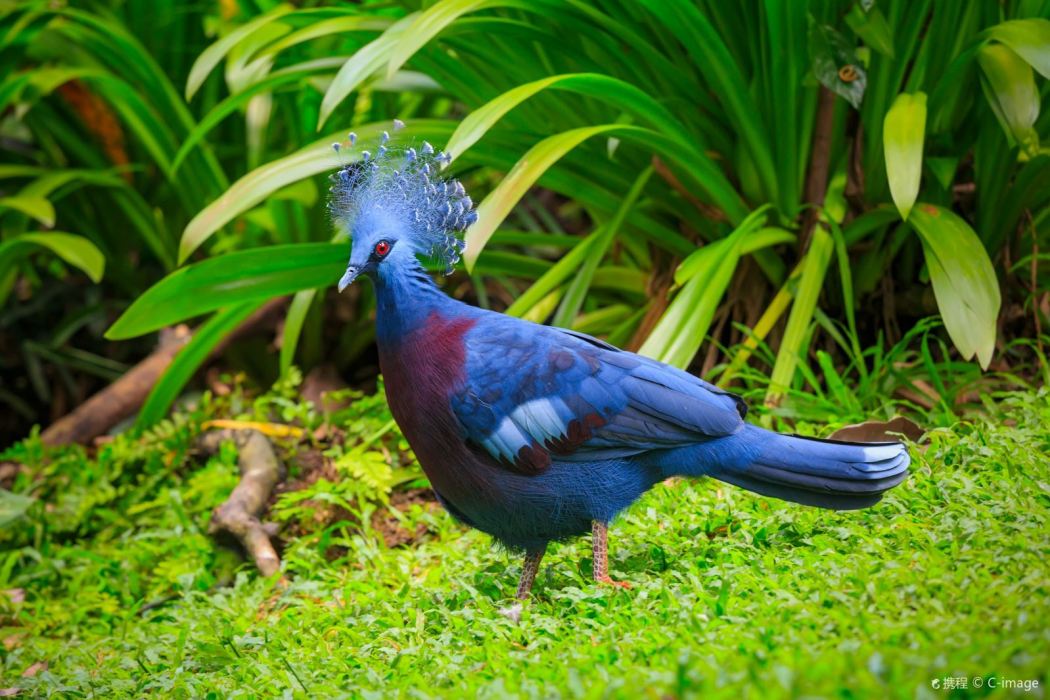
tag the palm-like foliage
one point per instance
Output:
(762, 150)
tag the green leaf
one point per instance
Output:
(38, 208)
(267, 179)
(963, 278)
(495, 207)
(285, 76)
(211, 56)
(871, 26)
(139, 117)
(678, 335)
(612, 90)
(293, 326)
(1029, 39)
(498, 262)
(709, 51)
(555, 276)
(75, 250)
(498, 204)
(321, 28)
(943, 170)
(10, 170)
(832, 55)
(811, 281)
(1009, 85)
(848, 300)
(681, 330)
(31, 86)
(763, 237)
(13, 506)
(189, 359)
(577, 291)
(428, 24)
(903, 131)
(362, 65)
(247, 275)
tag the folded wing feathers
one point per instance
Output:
(623, 404)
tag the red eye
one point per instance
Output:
(382, 248)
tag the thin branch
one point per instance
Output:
(261, 470)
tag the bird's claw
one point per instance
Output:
(608, 580)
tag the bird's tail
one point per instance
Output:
(823, 473)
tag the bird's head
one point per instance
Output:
(397, 207)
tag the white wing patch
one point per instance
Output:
(540, 418)
(534, 421)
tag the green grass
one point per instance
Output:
(733, 595)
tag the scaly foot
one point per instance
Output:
(600, 548)
(609, 581)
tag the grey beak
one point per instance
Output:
(348, 277)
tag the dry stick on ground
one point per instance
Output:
(261, 470)
(124, 396)
(121, 398)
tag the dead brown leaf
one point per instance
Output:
(34, 669)
(880, 431)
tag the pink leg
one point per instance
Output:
(600, 543)
(528, 573)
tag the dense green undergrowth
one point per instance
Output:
(119, 591)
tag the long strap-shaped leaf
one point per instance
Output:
(267, 179)
(494, 208)
(614, 91)
(685, 20)
(75, 250)
(574, 295)
(682, 328)
(293, 326)
(279, 78)
(428, 24)
(792, 347)
(213, 55)
(247, 275)
(189, 359)
(363, 64)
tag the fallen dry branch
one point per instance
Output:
(123, 397)
(120, 399)
(261, 470)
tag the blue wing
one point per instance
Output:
(532, 392)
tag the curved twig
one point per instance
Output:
(261, 470)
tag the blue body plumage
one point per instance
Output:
(533, 433)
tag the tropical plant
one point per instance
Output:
(701, 164)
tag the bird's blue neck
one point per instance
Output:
(405, 297)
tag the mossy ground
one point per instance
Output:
(120, 592)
